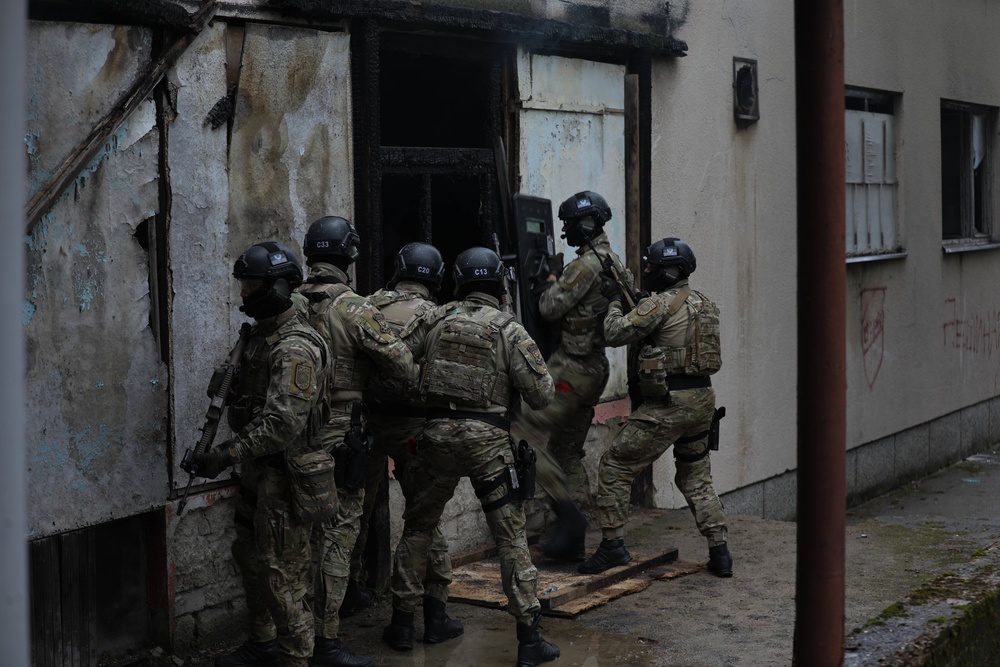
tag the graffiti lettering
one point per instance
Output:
(872, 331)
(978, 333)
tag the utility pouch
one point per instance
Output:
(653, 373)
(713, 432)
(525, 466)
(314, 494)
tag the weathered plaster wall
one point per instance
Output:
(96, 389)
(730, 193)
(923, 332)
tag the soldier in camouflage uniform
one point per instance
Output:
(359, 338)
(678, 404)
(396, 418)
(276, 410)
(579, 368)
(476, 360)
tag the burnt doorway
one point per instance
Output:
(431, 111)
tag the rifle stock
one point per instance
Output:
(505, 297)
(609, 269)
(214, 414)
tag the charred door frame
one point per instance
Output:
(373, 161)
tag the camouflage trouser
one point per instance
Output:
(249, 559)
(559, 431)
(273, 558)
(647, 433)
(395, 437)
(335, 539)
(447, 451)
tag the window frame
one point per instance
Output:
(973, 234)
(881, 103)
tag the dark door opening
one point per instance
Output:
(443, 210)
(432, 118)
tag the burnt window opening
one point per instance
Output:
(149, 237)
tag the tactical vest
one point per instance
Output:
(699, 356)
(582, 328)
(255, 374)
(461, 365)
(348, 372)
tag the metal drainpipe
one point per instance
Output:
(822, 381)
(14, 630)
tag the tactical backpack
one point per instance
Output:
(461, 365)
(702, 346)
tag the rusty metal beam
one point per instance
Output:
(822, 380)
(70, 168)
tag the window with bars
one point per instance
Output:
(966, 168)
(872, 227)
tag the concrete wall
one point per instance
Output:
(730, 192)
(931, 319)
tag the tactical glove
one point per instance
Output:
(211, 464)
(610, 289)
(556, 264)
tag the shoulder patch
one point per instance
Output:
(301, 379)
(529, 349)
(573, 273)
(374, 323)
(645, 307)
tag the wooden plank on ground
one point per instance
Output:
(562, 591)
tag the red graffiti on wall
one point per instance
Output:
(872, 331)
(974, 332)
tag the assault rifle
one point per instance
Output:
(610, 271)
(505, 297)
(218, 391)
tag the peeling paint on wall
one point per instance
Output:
(86, 308)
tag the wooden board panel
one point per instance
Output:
(562, 591)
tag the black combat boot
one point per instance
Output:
(531, 648)
(251, 654)
(567, 534)
(611, 553)
(438, 626)
(356, 598)
(332, 653)
(399, 633)
(720, 563)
